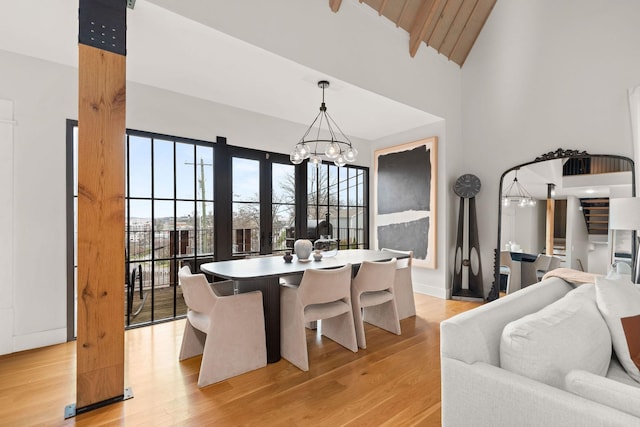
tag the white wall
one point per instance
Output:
(577, 236)
(546, 74)
(6, 218)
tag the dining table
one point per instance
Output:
(265, 273)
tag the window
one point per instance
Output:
(169, 220)
(337, 204)
(263, 188)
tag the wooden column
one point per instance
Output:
(551, 207)
(101, 134)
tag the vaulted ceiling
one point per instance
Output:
(449, 26)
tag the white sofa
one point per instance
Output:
(477, 390)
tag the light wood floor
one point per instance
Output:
(394, 382)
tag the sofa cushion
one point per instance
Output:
(565, 335)
(617, 373)
(606, 391)
(619, 302)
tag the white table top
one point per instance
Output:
(274, 266)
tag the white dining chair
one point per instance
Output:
(403, 284)
(373, 298)
(323, 295)
(541, 265)
(228, 331)
(506, 267)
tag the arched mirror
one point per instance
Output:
(554, 213)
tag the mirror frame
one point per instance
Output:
(560, 153)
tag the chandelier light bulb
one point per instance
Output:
(332, 151)
(304, 150)
(315, 159)
(339, 161)
(350, 155)
(295, 157)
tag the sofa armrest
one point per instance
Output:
(481, 395)
(474, 336)
(604, 390)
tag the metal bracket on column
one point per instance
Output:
(103, 25)
(71, 411)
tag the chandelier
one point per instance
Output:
(516, 193)
(309, 147)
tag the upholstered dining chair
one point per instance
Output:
(555, 262)
(373, 298)
(323, 295)
(403, 284)
(541, 265)
(505, 267)
(228, 330)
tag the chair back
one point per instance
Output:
(196, 290)
(401, 262)
(324, 286)
(375, 276)
(542, 262)
(505, 258)
(555, 263)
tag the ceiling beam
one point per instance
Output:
(424, 21)
(335, 5)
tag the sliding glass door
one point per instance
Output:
(263, 203)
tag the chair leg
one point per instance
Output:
(340, 329)
(192, 342)
(359, 324)
(384, 316)
(404, 300)
(293, 339)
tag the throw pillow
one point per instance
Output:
(565, 335)
(619, 302)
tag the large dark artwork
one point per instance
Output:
(404, 199)
(403, 181)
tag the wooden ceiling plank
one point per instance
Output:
(443, 24)
(382, 6)
(436, 18)
(424, 19)
(335, 5)
(471, 31)
(457, 26)
(402, 12)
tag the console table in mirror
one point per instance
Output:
(555, 211)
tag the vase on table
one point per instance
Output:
(303, 248)
(326, 245)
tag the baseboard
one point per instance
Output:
(39, 339)
(433, 291)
